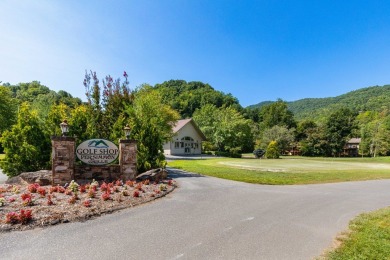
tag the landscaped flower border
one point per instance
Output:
(29, 206)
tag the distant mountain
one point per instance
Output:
(375, 98)
(98, 144)
(259, 105)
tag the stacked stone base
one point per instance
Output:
(88, 173)
(64, 169)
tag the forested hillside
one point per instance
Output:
(366, 99)
(186, 97)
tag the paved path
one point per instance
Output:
(209, 218)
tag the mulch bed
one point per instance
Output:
(67, 205)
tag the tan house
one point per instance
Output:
(187, 140)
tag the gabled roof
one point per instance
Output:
(354, 141)
(181, 123)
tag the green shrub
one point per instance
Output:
(26, 146)
(272, 150)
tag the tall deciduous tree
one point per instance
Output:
(226, 128)
(151, 122)
(283, 136)
(79, 124)
(56, 115)
(7, 109)
(276, 113)
(106, 103)
(338, 129)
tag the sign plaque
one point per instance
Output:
(97, 152)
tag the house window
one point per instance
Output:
(176, 144)
(182, 144)
(188, 142)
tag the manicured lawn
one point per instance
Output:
(290, 170)
(369, 237)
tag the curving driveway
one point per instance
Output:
(3, 177)
(209, 218)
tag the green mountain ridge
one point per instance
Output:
(375, 98)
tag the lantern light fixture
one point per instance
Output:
(127, 131)
(64, 127)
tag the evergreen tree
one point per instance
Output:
(26, 146)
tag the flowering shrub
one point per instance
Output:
(33, 187)
(11, 218)
(113, 192)
(94, 185)
(106, 196)
(91, 193)
(74, 186)
(16, 189)
(136, 194)
(104, 186)
(163, 187)
(27, 199)
(130, 183)
(42, 191)
(87, 203)
(170, 182)
(53, 189)
(25, 216)
(82, 188)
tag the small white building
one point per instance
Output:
(187, 140)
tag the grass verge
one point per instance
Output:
(290, 170)
(368, 238)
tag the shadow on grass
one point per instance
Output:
(177, 173)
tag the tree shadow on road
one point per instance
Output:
(177, 173)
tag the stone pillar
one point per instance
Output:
(128, 159)
(63, 159)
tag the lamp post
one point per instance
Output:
(127, 131)
(64, 127)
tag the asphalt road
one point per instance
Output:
(209, 218)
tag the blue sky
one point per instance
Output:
(255, 50)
